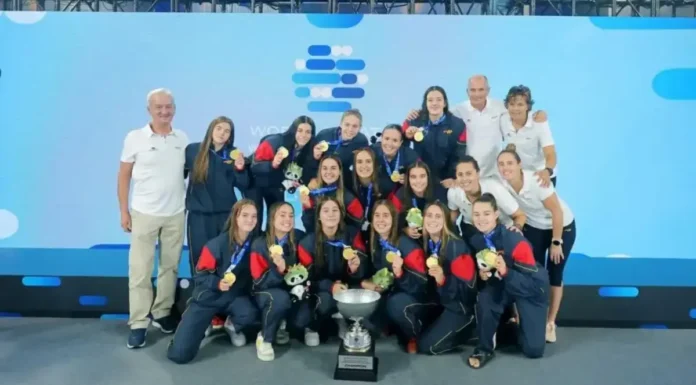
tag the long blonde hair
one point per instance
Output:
(200, 164)
(447, 230)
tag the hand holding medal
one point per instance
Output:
(419, 135)
(351, 255)
(323, 146)
(395, 176)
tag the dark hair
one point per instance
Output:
(487, 198)
(319, 237)
(510, 149)
(270, 226)
(522, 91)
(396, 127)
(424, 106)
(408, 191)
(393, 234)
(289, 141)
(469, 159)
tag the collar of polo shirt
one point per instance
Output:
(148, 129)
(470, 107)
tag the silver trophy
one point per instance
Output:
(356, 359)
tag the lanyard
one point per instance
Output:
(434, 247)
(225, 154)
(369, 200)
(387, 246)
(337, 244)
(415, 203)
(431, 124)
(396, 165)
(237, 256)
(323, 190)
(489, 240)
(338, 142)
(281, 242)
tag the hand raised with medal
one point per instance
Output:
(437, 273)
(238, 159)
(397, 263)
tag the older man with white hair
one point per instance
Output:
(153, 158)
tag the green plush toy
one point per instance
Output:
(414, 218)
(383, 278)
(296, 278)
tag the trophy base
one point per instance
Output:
(355, 366)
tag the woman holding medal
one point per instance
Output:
(550, 226)
(281, 161)
(512, 275)
(452, 281)
(272, 255)
(366, 185)
(439, 137)
(222, 284)
(336, 254)
(341, 142)
(393, 158)
(418, 190)
(398, 272)
(215, 168)
(329, 183)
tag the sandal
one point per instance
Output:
(482, 357)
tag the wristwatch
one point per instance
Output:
(550, 170)
(557, 242)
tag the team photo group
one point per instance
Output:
(451, 216)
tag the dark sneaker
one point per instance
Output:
(166, 325)
(136, 339)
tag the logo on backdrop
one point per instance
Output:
(330, 78)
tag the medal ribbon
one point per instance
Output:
(387, 246)
(237, 256)
(396, 165)
(369, 200)
(435, 123)
(489, 240)
(434, 247)
(322, 191)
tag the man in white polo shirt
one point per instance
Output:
(153, 158)
(481, 114)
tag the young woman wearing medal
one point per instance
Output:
(452, 279)
(397, 271)
(439, 137)
(279, 157)
(272, 255)
(215, 167)
(366, 185)
(507, 265)
(329, 183)
(393, 158)
(336, 254)
(410, 200)
(340, 142)
(222, 284)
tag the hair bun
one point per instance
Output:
(511, 147)
(373, 139)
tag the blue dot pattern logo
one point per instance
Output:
(330, 78)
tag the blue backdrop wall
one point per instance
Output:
(620, 94)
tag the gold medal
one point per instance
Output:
(283, 152)
(276, 250)
(432, 261)
(395, 176)
(419, 136)
(230, 278)
(390, 256)
(324, 146)
(348, 253)
(234, 154)
(304, 190)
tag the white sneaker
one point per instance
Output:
(551, 332)
(282, 335)
(311, 338)
(342, 325)
(238, 339)
(264, 350)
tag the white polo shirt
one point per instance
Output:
(529, 141)
(457, 200)
(483, 135)
(158, 171)
(531, 200)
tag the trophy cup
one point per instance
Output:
(356, 355)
